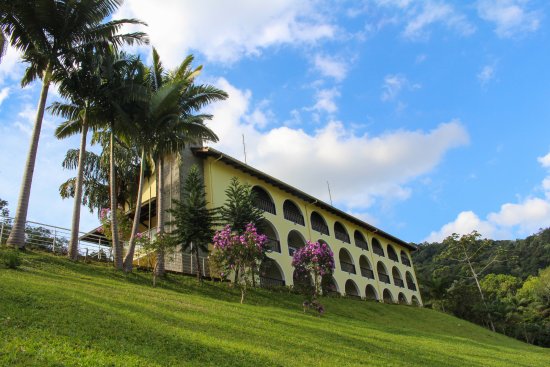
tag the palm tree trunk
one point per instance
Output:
(17, 235)
(117, 246)
(73, 245)
(159, 270)
(129, 259)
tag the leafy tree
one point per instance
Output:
(193, 220)
(160, 243)
(466, 250)
(239, 208)
(4, 210)
(49, 34)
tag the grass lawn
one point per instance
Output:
(57, 313)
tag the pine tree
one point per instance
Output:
(239, 208)
(193, 220)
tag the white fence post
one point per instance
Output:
(2, 232)
(203, 268)
(54, 239)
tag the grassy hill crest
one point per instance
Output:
(57, 313)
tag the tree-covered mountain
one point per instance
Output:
(514, 284)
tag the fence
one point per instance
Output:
(56, 239)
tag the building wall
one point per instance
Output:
(217, 178)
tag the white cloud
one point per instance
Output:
(325, 100)
(486, 74)
(331, 67)
(511, 17)
(11, 67)
(512, 219)
(226, 30)
(360, 168)
(394, 84)
(433, 12)
(4, 93)
(545, 160)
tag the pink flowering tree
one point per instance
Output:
(314, 260)
(239, 254)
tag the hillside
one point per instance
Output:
(54, 312)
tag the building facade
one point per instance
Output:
(370, 263)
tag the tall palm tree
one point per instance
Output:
(49, 33)
(176, 124)
(80, 85)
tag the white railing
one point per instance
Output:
(56, 239)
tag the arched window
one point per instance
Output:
(402, 299)
(382, 273)
(351, 289)
(263, 201)
(318, 223)
(415, 301)
(387, 296)
(397, 280)
(410, 281)
(366, 269)
(360, 240)
(377, 247)
(329, 286)
(295, 240)
(370, 293)
(392, 255)
(346, 261)
(340, 232)
(292, 213)
(271, 274)
(268, 229)
(405, 258)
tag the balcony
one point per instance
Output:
(393, 256)
(361, 244)
(384, 278)
(405, 261)
(273, 245)
(294, 217)
(367, 273)
(378, 250)
(399, 282)
(266, 282)
(319, 227)
(342, 236)
(347, 267)
(412, 287)
(265, 205)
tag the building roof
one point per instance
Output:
(208, 151)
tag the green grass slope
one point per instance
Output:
(57, 313)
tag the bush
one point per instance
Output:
(10, 258)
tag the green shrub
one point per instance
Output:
(10, 258)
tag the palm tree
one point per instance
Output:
(50, 33)
(172, 135)
(80, 86)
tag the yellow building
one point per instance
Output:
(370, 263)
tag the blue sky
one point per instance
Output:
(426, 117)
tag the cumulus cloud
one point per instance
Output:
(394, 84)
(226, 30)
(512, 219)
(510, 17)
(4, 92)
(360, 168)
(331, 67)
(325, 100)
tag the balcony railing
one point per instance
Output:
(294, 217)
(319, 227)
(367, 273)
(384, 278)
(412, 286)
(399, 282)
(361, 244)
(342, 236)
(265, 205)
(347, 267)
(378, 250)
(267, 282)
(393, 256)
(405, 260)
(273, 245)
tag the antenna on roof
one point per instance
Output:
(329, 194)
(244, 149)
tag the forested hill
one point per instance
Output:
(515, 285)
